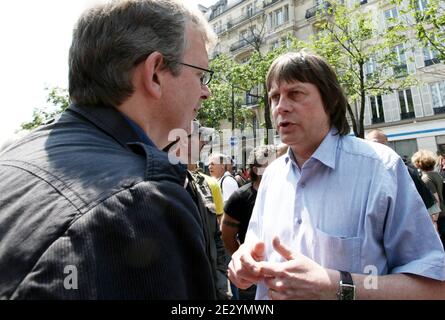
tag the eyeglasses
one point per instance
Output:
(206, 76)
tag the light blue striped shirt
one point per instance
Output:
(352, 207)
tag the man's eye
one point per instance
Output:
(296, 94)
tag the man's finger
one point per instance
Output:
(258, 251)
(283, 250)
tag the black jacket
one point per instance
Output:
(87, 211)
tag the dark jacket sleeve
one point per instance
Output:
(425, 193)
(145, 242)
(222, 262)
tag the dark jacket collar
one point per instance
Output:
(114, 123)
(110, 120)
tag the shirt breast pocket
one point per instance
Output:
(335, 252)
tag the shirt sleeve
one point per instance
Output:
(411, 242)
(229, 186)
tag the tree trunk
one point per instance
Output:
(267, 119)
(354, 123)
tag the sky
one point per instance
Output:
(35, 40)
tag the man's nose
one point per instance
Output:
(206, 93)
(283, 105)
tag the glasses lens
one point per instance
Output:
(205, 79)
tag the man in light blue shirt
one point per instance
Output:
(337, 216)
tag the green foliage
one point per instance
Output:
(240, 78)
(349, 38)
(59, 99)
(428, 23)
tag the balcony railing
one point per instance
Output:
(241, 43)
(217, 13)
(244, 17)
(322, 7)
(407, 115)
(430, 62)
(439, 110)
(269, 3)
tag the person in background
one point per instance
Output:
(428, 199)
(220, 166)
(91, 207)
(282, 149)
(425, 160)
(201, 193)
(238, 208)
(334, 205)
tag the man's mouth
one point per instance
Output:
(284, 124)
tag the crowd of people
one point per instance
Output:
(105, 191)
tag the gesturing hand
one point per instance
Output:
(297, 278)
(244, 268)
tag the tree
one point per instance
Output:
(59, 99)
(363, 55)
(226, 88)
(427, 19)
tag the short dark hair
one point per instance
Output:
(307, 67)
(111, 39)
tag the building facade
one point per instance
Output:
(413, 118)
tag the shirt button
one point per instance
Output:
(299, 221)
(303, 185)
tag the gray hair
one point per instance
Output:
(111, 39)
(221, 158)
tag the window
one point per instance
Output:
(286, 13)
(275, 44)
(406, 104)
(440, 142)
(243, 34)
(430, 56)
(404, 148)
(438, 96)
(279, 18)
(249, 10)
(370, 66)
(400, 69)
(287, 42)
(421, 5)
(390, 15)
(377, 109)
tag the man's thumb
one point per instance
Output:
(283, 250)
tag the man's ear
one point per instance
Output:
(153, 69)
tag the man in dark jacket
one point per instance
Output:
(188, 150)
(90, 208)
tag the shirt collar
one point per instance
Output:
(325, 152)
(140, 133)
